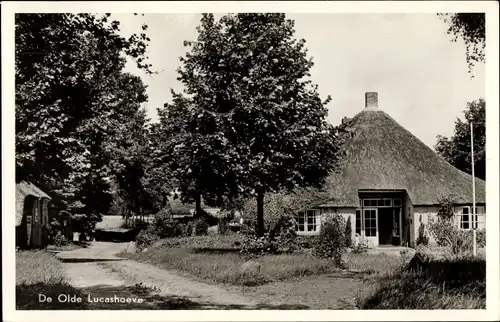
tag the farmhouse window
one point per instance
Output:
(385, 202)
(307, 221)
(358, 222)
(467, 220)
(464, 218)
(370, 222)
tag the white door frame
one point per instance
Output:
(399, 222)
(372, 239)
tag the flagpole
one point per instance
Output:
(474, 221)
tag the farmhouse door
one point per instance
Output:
(371, 227)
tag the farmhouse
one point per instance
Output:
(31, 216)
(390, 183)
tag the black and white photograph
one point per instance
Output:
(264, 159)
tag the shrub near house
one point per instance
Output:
(331, 242)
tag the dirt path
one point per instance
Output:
(159, 288)
(167, 283)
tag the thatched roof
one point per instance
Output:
(382, 155)
(24, 189)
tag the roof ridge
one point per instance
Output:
(382, 154)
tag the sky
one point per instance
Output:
(421, 76)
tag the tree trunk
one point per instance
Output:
(260, 214)
(198, 205)
(164, 201)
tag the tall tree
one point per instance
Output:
(130, 153)
(158, 177)
(264, 128)
(68, 81)
(191, 145)
(470, 27)
(457, 149)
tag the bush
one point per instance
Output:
(204, 242)
(283, 235)
(60, 239)
(306, 242)
(146, 238)
(56, 227)
(458, 241)
(443, 231)
(167, 227)
(200, 227)
(257, 246)
(248, 227)
(481, 237)
(422, 238)
(223, 226)
(331, 241)
(180, 230)
(53, 229)
(281, 239)
(189, 231)
(348, 233)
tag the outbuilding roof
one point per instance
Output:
(24, 189)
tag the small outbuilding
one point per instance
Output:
(32, 216)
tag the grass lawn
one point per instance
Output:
(210, 258)
(225, 268)
(38, 272)
(68, 247)
(375, 264)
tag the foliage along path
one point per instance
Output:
(159, 288)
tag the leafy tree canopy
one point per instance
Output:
(470, 27)
(252, 120)
(71, 98)
(457, 149)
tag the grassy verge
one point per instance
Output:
(225, 267)
(375, 264)
(38, 272)
(445, 284)
(210, 258)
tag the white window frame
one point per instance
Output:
(472, 222)
(360, 226)
(370, 227)
(377, 205)
(305, 214)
